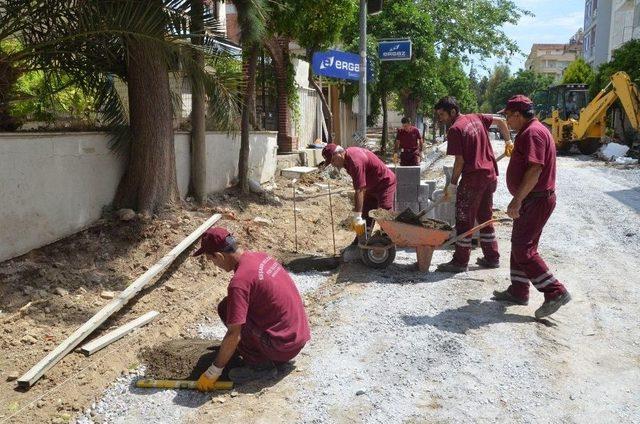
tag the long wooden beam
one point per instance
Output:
(28, 379)
(95, 345)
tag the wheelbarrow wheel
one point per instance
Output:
(378, 258)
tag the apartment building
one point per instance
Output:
(553, 59)
(609, 24)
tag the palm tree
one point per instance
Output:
(89, 42)
(251, 22)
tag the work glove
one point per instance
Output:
(395, 159)
(508, 149)
(450, 192)
(358, 224)
(207, 380)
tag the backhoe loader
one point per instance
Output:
(587, 129)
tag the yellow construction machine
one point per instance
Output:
(587, 128)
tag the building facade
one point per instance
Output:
(608, 25)
(553, 59)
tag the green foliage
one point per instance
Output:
(528, 83)
(86, 44)
(500, 74)
(626, 58)
(578, 72)
(33, 99)
(459, 28)
(457, 83)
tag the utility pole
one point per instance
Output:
(362, 94)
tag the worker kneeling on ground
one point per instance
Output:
(263, 312)
(373, 181)
(531, 179)
(468, 141)
(409, 143)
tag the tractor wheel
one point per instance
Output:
(378, 258)
(589, 146)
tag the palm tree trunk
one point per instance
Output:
(278, 48)
(250, 68)
(198, 186)
(8, 78)
(149, 181)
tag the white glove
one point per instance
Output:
(450, 191)
(357, 220)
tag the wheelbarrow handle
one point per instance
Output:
(473, 230)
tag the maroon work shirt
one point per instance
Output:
(533, 144)
(262, 293)
(367, 170)
(408, 138)
(468, 137)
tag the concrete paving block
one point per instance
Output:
(408, 175)
(401, 206)
(297, 171)
(448, 172)
(407, 193)
(424, 192)
(431, 184)
(425, 205)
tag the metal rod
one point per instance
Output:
(362, 94)
(295, 217)
(333, 230)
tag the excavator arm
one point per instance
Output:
(594, 114)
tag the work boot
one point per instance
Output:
(451, 267)
(551, 306)
(508, 297)
(484, 263)
(253, 372)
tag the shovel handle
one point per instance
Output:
(473, 230)
(179, 384)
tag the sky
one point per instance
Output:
(555, 21)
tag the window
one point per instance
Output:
(636, 16)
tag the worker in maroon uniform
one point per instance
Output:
(263, 312)
(409, 144)
(531, 179)
(468, 141)
(373, 181)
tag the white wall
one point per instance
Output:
(55, 184)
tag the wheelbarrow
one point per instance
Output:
(378, 250)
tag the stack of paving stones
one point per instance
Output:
(408, 189)
(417, 194)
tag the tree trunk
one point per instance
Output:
(250, 66)
(149, 182)
(278, 48)
(385, 122)
(8, 78)
(326, 110)
(198, 184)
(410, 105)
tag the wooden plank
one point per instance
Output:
(28, 379)
(97, 344)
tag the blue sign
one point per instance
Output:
(337, 64)
(394, 50)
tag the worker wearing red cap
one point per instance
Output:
(409, 143)
(531, 179)
(263, 312)
(373, 181)
(468, 141)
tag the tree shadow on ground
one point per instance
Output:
(475, 314)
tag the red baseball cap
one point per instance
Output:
(518, 103)
(328, 151)
(216, 240)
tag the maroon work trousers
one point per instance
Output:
(526, 263)
(410, 157)
(378, 199)
(474, 202)
(255, 346)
